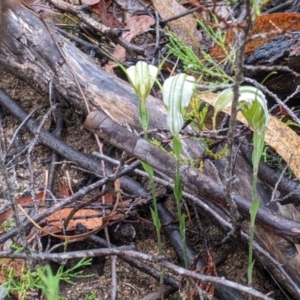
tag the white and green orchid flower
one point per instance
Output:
(142, 77)
(252, 103)
(177, 94)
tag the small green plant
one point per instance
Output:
(177, 94)
(142, 77)
(92, 296)
(210, 72)
(253, 105)
(43, 279)
(49, 284)
(7, 225)
(197, 114)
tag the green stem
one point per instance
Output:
(158, 226)
(177, 148)
(258, 142)
(144, 117)
(155, 218)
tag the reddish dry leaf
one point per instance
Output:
(109, 68)
(6, 264)
(107, 19)
(266, 27)
(50, 229)
(87, 217)
(136, 25)
(208, 269)
(109, 199)
(21, 201)
(63, 191)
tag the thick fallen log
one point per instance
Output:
(28, 51)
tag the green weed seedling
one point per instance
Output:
(43, 279)
(92, 296)
(210, 72)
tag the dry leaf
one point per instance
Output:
(6, 264)
(265, 28)
(21, 201)
(63, 192)
(136, 25)
(280, 137)
(107, 19)
(184, 28)
(84, 216)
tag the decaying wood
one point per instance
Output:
(205, 186)
(272, 229)
(28, 51)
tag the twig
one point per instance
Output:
(232, 123)
(275, 97)
(287, 187)
(12, 201)
(137, 263)
(54, 158)
(114, 33)
(124, 251)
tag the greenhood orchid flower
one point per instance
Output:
(177, 94)
(142, 77)
(252, 103)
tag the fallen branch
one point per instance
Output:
(193, 180)
(269, 225)
(124, 251)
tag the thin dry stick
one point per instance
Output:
(31, 172)
(232, 123)
(11, 197)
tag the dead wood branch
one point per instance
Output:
(28, 51)
(193, 180)
(125, 251)
(266, 221)
(177, 243)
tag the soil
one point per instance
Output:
(131, 283)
